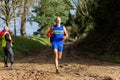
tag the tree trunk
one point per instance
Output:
(23, 19)
(14, 1)
(8, 17)
(8, 23)
(14, 26)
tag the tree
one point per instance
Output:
(14, 3)
(104, 40)
(84, 19)
(27, 4)
(15, 6)
(6, 12)
(47, 11)
(23, 18)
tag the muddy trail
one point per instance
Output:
(39, 66)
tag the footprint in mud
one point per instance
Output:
(64, 65)
(107, 78)
(77, 74)
(99, 77)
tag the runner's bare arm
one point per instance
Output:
(50, 30)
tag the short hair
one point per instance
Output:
(57, 18)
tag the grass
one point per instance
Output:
(111, 58)
(23, 45)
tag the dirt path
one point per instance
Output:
(39, 66)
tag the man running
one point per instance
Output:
(7, 42)
(57, 34)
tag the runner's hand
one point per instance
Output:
(64, 38)
(48, 34)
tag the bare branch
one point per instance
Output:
(3, 18)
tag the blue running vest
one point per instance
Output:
(58, 33)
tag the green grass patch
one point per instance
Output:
(44, 41)
(111, 58)
(23, 45)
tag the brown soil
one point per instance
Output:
(39, 66)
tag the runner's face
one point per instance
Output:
(58, 20)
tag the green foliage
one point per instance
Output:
(83, 21)
(104, 41)
(48, 10)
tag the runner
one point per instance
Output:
(57, 34)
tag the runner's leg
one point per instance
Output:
(59, 55)
(11, 55)
(56, 58)
(60, 50)
(5, 57)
